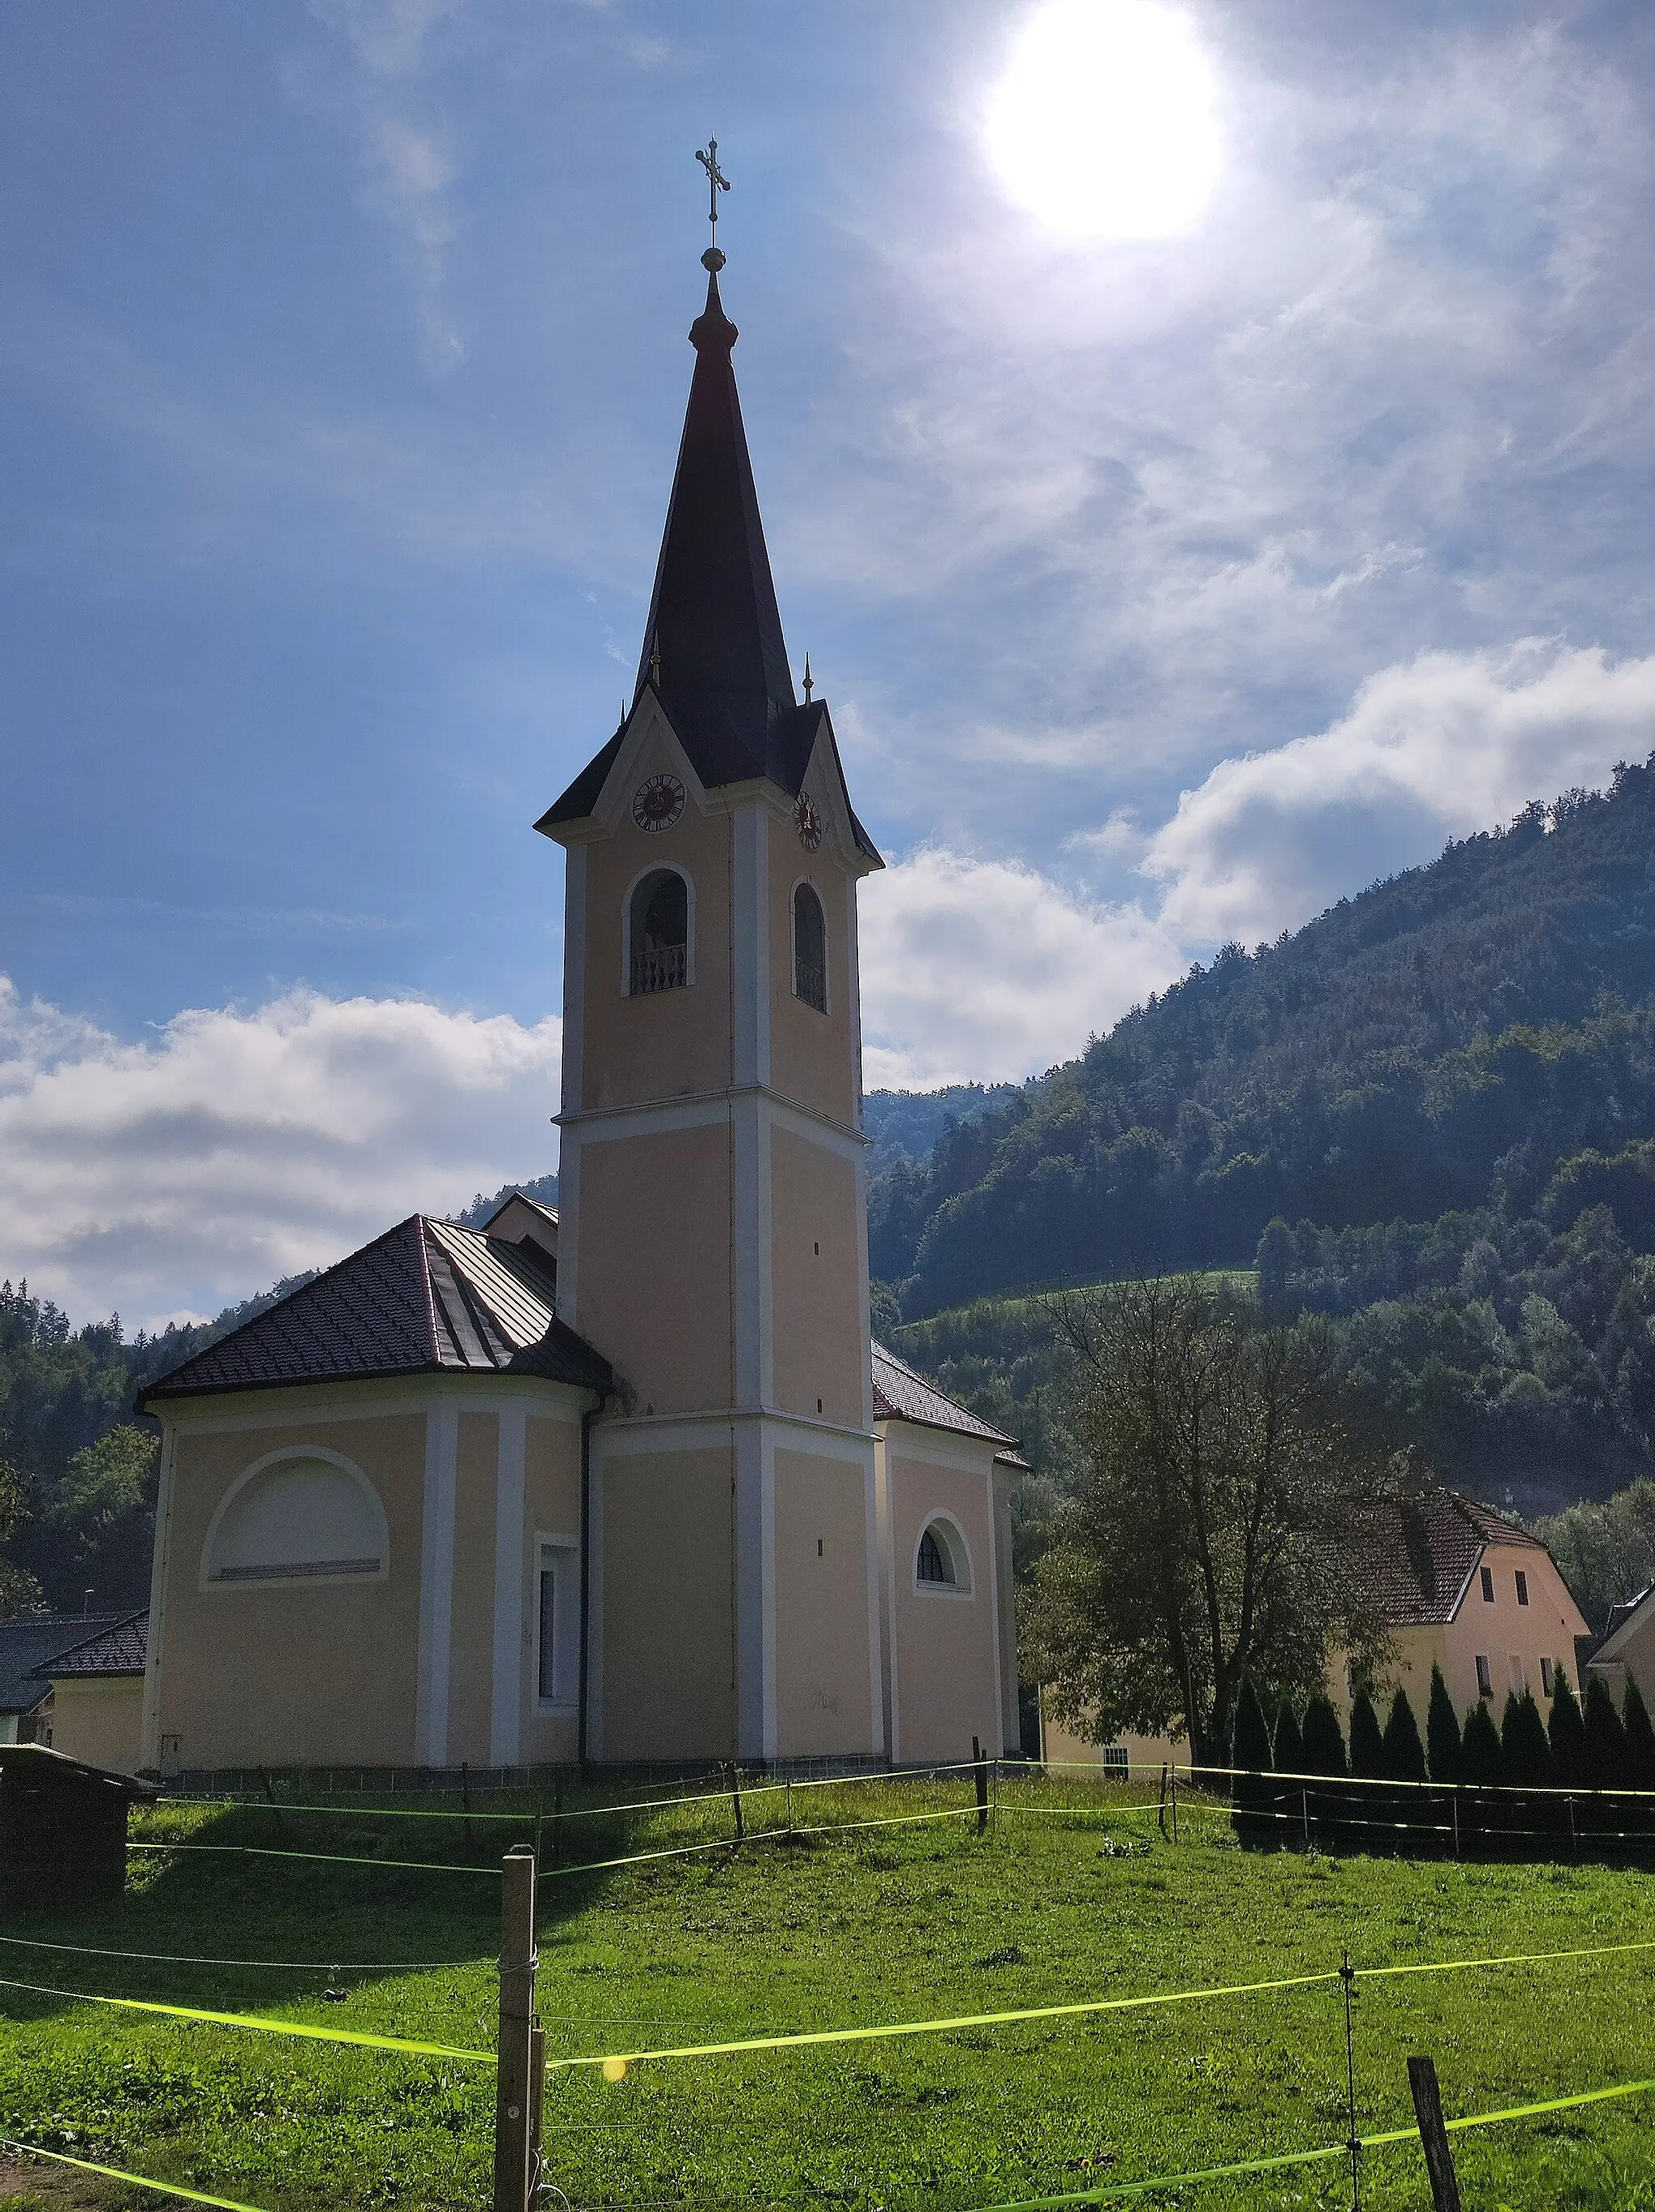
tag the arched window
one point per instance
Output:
(940, 1562)
(809, 949)
(295, 1516)
(658, 932)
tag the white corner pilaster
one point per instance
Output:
(506, 1717)
(750, 1123)
(150, 1731)
(442, 1449)
(756, 1591)
(749, 832)
(574, 977)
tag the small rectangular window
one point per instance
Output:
(1519, 1676)
(1522, 1587)
(557, 1654)
(548, 1632)
(1548, 1676)
(1485, 1680)
(1116, 1760)
(1487, 1585)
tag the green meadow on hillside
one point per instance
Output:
(1073, 1894)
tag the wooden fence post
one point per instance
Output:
(513, 2085)
(736, 1800)
(1428, 2108)
(980, 1766)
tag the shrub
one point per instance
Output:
(1289, 1749)
(1566, 1732)
(1605, 1739)
(1404, 1753)
(1442, 1731)
(1640, 1769)
(1479, 1749)
(1525, 1753)
(1324, 1739)
(1366, 1743)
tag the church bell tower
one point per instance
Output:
(714, 1232)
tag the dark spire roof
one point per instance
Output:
(713, 652)
(714, 632)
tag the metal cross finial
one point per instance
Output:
(717, 182)
(810, 681)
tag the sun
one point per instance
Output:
(1102, 124)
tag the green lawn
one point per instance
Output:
(887, 1925)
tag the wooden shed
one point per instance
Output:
(62, 1827)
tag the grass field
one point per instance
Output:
(1056, 1904)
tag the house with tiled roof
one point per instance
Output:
(626, 1481)
(1625, 1651)
(95, 1690)
(1462, 1588)
(27, 1639)
(1458, 1587)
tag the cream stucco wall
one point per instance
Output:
(668, 1620)
(654, 1283)
(100, 1718)
(1633, 1661)
(665, 1044)
(290, 1673)
(815, 1268)
(551, 1492)
(433, 1664)
(946, 1671)
(813, 1054)
(471, 1648)
(824, 1688)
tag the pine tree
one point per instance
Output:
(1479, 1747)
(1639, 1768)
(1606, 1739)
(1566, 1732)
(1442, 1731)
(1404, 1753)
(1525, 1753)
(1289, 1744)
(1366, 1743)
(1250, 1740)
(1324, 1739)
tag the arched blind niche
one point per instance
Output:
(658, 934)
(809, 949)
(298, 1518)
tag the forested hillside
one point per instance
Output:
(1430, 1113)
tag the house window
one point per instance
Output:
(1518, 1675)
(297, 1517)
(810, 950)
(1116, 1760)
(1487, 1585)
(940, 1563)
(658, 934)
(1548, 1676)
(557, 1641)
(1522, 1587)
(1485, 1678)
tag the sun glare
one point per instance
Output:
(1102, 124)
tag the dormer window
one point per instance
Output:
(658, 934)
(809, 949)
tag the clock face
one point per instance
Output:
(659, 803)
(809, 822)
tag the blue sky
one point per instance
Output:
(1163, 589)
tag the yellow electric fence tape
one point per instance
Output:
(262, 2026)
(138, 2180)
(1384, 2141)
(609, 2060)
(614, 2063)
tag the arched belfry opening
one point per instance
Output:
(658, 934)
(809, 949)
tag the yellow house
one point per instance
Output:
(1627, 1652)
(1458, 1587)
(97, 1696)
(629, 1481)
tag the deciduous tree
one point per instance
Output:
(1221, 1463)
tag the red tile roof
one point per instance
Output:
(900, 1394)
(1415, 1557)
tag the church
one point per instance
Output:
(628, 1481)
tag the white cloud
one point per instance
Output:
(986, 970)
(1443, 745)
(234, 1148)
